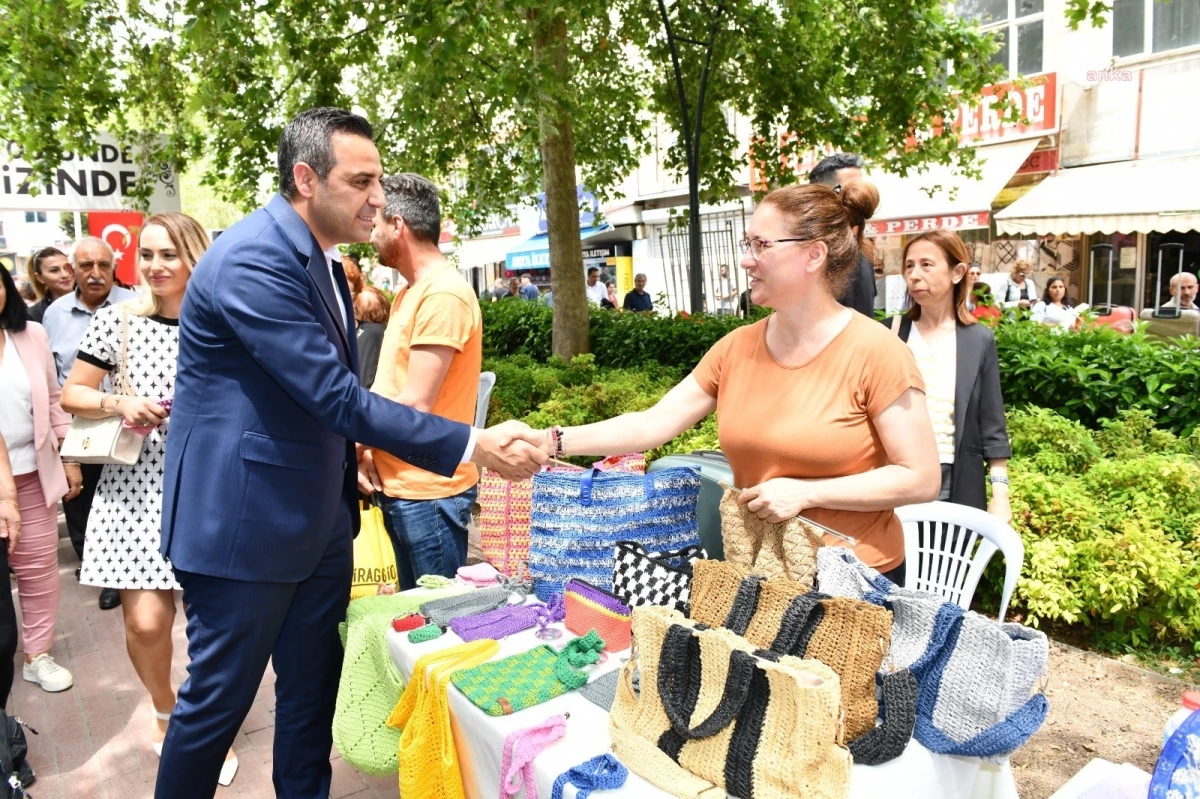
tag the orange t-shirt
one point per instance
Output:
(440, 309)
(813, 421)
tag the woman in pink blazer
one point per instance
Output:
(33, 425)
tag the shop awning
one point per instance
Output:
(938, 198)
(485, 250)
(534, 252)
(1124, 197)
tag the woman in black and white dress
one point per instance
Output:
(122, 544)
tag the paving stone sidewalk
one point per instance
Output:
(94, 739)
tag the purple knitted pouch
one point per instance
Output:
(508, 620)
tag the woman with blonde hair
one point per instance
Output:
(1020, 289)
(842, 436)
(51, 277)
(134, 346)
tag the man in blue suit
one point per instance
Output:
(260, 490)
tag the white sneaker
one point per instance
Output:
(48, 674)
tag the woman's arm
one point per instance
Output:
(10, 511)
(81, 396)
(993, 430)
(912, 474)
(682, 407)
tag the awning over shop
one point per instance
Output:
(1123, 197)
(486, 250)
(938, 198)
(534, 252)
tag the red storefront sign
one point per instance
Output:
(1037, 103)
(920, 224)
(120, 230)
(1039, 161)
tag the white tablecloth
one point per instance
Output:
(916, 774)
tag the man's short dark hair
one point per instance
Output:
(826, 171)
(308, 139)
(14, 315)
(414, 199)
(592, 269)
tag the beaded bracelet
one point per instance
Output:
(520, 748)
(601, 773)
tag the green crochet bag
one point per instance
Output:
(370, 686)
(530, 678)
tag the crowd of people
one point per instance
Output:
(274, 386)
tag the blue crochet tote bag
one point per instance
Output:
(577, 518)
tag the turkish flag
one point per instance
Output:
(120, 230)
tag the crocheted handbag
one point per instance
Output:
(785, 549)
(590, 608)
(428, 759)
(579, 518)
(849, 636)
(715, 716)
(529, 678)
(504, 513)
(975, 676)
(658, 578)
(370, 685)
(506, 620)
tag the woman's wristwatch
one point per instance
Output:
(998, 478)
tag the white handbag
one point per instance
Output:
(106, 440)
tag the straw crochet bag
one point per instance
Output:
(428, 759)
(849, 636)
(978, 680)
(772, 549)
(715, 717)
(578, 518)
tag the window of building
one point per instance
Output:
(1113, 272)
(1154, 26)
(1017, 26)
(35, 216)
(1173, 260)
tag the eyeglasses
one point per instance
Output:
(756, 247)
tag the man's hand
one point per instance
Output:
(509, 449)
(10, 524)
(74, 480)
(369, 481)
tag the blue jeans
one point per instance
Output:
(429, 535)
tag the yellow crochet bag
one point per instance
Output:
(428, 758)
(715, 717)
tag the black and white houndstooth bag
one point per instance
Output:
(654, 578)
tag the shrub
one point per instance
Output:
(1160, 490)
(1055, 444)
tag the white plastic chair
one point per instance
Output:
(947, 546)
(486, 381)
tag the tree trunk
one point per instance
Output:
(570, 334)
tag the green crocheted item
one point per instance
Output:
(370, 686)
(530, 678)
(423, 634)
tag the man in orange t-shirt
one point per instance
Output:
(430, 360)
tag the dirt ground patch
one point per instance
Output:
(1099, 707)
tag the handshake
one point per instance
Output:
(511, 449)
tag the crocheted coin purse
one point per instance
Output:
(508, 620)
(654, 578)
(590, 608)
(975, 676)
(784, 549)
(369, 684)
(715, 713)
(428, 758)
(529, 678)
(578, 518)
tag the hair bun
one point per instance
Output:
(860, 199)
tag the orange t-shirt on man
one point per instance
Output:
(813, 421)
(438, 310)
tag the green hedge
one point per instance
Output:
(1087, 376)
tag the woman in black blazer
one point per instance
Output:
(958, 360)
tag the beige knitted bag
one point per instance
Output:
(772, 549)
(714, 718)
(848, 635)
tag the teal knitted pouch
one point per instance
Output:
(530, 678)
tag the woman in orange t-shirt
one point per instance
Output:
(821, 410)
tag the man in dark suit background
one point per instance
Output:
(837, 170)
(260, 489)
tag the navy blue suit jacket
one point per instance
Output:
(260, 471)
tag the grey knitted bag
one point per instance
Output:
(440, 612)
